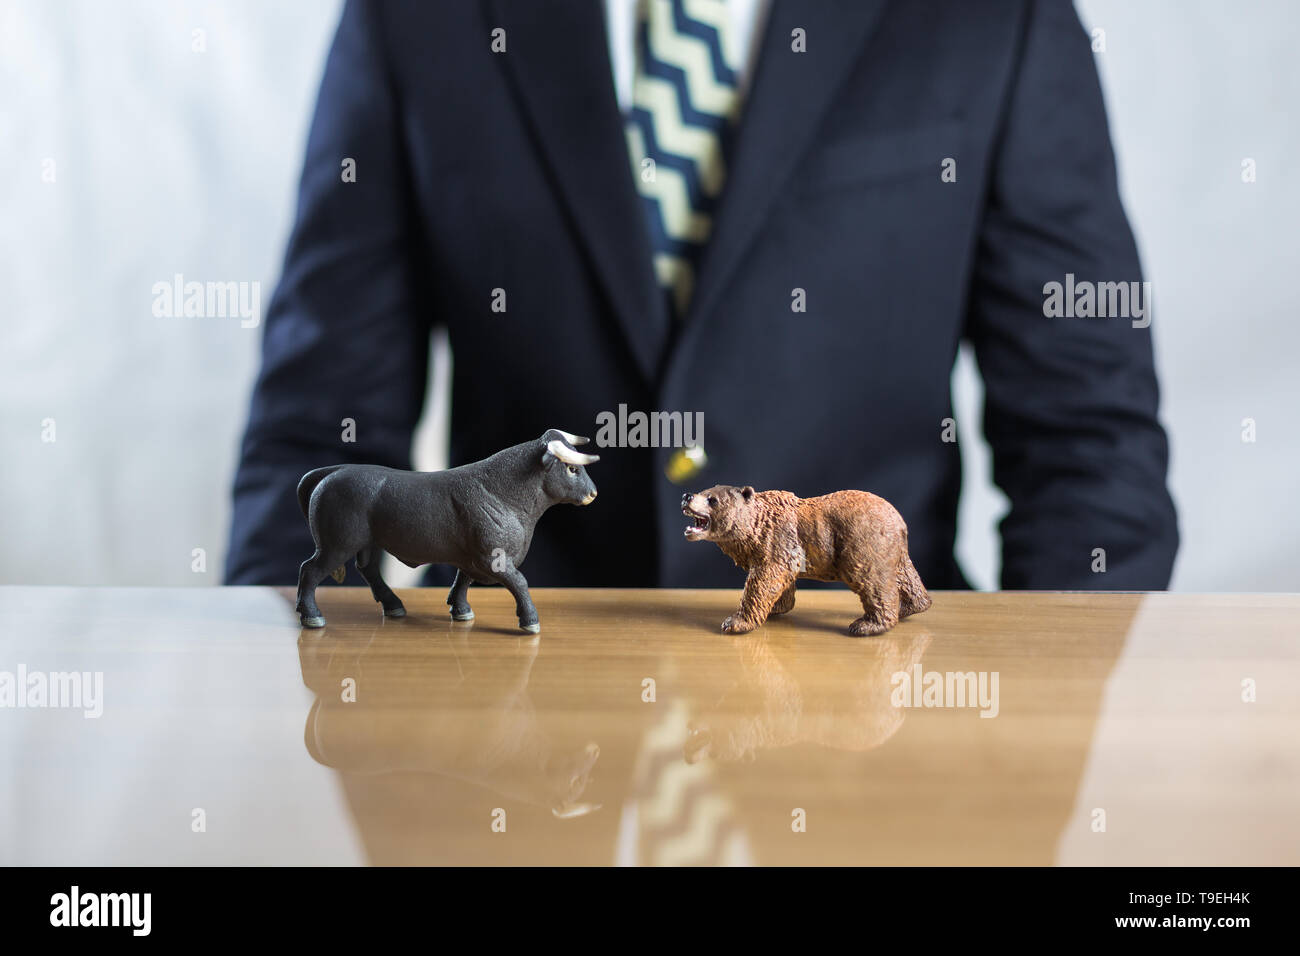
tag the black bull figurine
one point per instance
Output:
(478, 517)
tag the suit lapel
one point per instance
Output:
(558, 60)
(788, 100)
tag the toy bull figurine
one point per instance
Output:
(478, 517)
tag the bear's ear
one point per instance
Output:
(747, 492)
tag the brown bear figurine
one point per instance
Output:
(849, 536)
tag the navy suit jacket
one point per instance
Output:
(479, 170)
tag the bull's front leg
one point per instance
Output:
(762, 589)
(510, 577)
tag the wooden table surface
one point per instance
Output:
(1112, 729)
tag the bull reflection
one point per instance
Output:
(779, 694)
(453, 707)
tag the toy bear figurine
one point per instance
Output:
(849, 536)
(478, 517)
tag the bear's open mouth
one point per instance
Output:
(701, 523)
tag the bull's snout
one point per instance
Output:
(591, 496)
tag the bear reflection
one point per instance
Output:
(783, 692)
(454, 706)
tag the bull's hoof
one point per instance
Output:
(531, 628)
(316, 621)
(398, 611)
(462, 615)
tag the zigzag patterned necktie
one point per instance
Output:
(684, 104)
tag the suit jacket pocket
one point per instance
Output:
(880, 156)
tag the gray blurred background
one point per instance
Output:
(147, 138)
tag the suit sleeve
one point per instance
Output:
(1070, 403)
(346, 333)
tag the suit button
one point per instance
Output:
(685, 463)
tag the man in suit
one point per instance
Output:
(784, 216)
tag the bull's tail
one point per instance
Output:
(306, 485)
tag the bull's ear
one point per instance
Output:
(570, 456)
(560, 433)
(547, 457)
(572, 439)
(747, 492)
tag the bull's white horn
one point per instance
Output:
(572, 439)
(567, 455)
